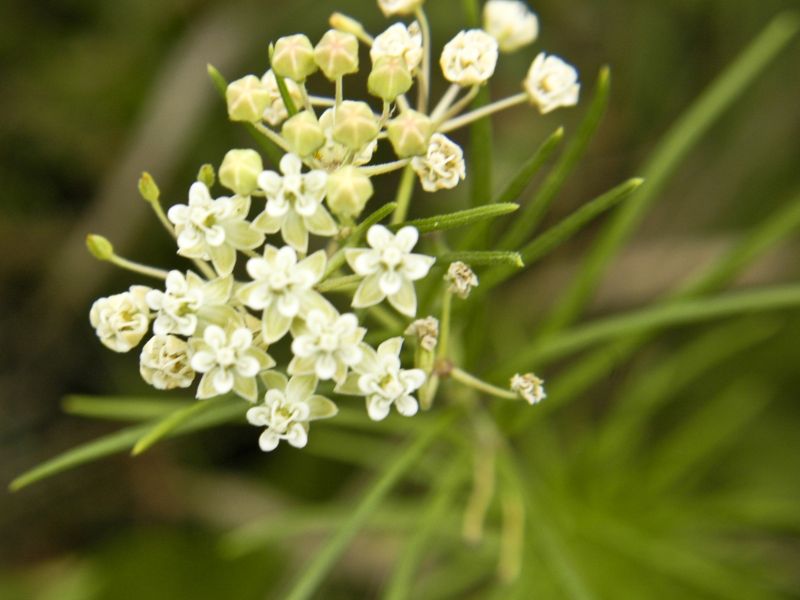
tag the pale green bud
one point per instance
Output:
(410, 133)
(293, 57)
(303, 133)
(348, 191)
(337, 54)
(240, 170)
(99, 247)
(247, 98)
(389, 78)
(207, 176)
(354, 124)
(148, 188)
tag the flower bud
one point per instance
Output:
(348, 191)
(399, 7)
(148, 188)
(389, 78)
(347, 24)
(354, 124)
(247, 98)
(240, 170)
(511, 23)
(206, 175)
(293, 57)
(99, 247)
(410, 133)
(337, 54)
(303, 133)
(461, 279)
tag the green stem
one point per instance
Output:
(484, 111)
(444, 324)
(425, 74)
(482, 386)
(404, 193)
(373, 170)
(130, 265)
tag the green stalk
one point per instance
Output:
(404, 193)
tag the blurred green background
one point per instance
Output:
(674, 477)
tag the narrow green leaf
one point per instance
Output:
(669, 155)
(172, 422)
(227, 412)
(288, 102)
(314, 573)
(652, 319)
(121, 408)
(536, 208)
(459, 218)
(337, 260)
(268, 146)
(532, 166)
(481, 258)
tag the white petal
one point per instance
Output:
(297, 436)
(291, 164)
(406, 406)
(270, 182)
(369, 292)
(268, 441)
(407, 238)
(377, 408)
(362, 260)
(221, 379)
(258, 416)
(405, 300)
(416, 266)
(379, 237)
(199, 194)
(300, 388)
(325, 366)
(202, 362)
(390, 282)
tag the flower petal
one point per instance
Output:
(223, 257)
(300, 388)
(416, 266)
(321, 407)
(369, 292)
(406, 406)
(378, 408)
(321, 222)
(246, 387)
(268, 440)
(379, 237)
(407, 238)
(274, 325)
(294, 232)
(405, 300)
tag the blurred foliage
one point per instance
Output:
(671, 476)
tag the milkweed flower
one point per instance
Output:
(380, 378)
(326, 344)
(187, 299)
(469, 58)
(121, 320)
(213, 230)
(511, 23)
(551, 83)
(529, 387)
(289, 406)
(164, 363)
(294, 203)
(282, 287)
(389, 268)
(399, 41)
(442, 167)
(229, 361)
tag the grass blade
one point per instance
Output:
(270, 149)
(171, 422)
(669, 155)
(459, 218)
(121, 408)
(535, 210)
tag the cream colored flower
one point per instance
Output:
(187, 299)
(380, 378)
(121, 320)
(276, 112)
(529, 387)
(461, 279)
(399, 41)
(332, 155)
(229, 361)
(213, 229)
(294, 203)
(469, 58)
(326, 345)
(164, 363)
(511, 23)
(426, 331)
(389, 269)
(551, 83)
(282, 287)
(399, 7)
(442, 167)
(289, 406)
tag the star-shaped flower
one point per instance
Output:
(188, 298)
(326, 345)
(389, 268)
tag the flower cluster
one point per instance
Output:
(258, 278)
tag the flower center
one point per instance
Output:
(328, 342)
(226, 357)
(392, 256)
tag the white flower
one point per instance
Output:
(551, 83)
(288, 407)
(399, 41)
(529, 387)
(326, 345)
(188, 298)
(332, 155)
(229, 361)
(164, 363)
(121, 320)
(426, 331)
(389, 268)
(469, 58)
(381, 379)
(213, 229)
(442, 167)
(283, 288)
(511, 23)
(399, 7)
(294, 203)
(461, 279)
(276, 112)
